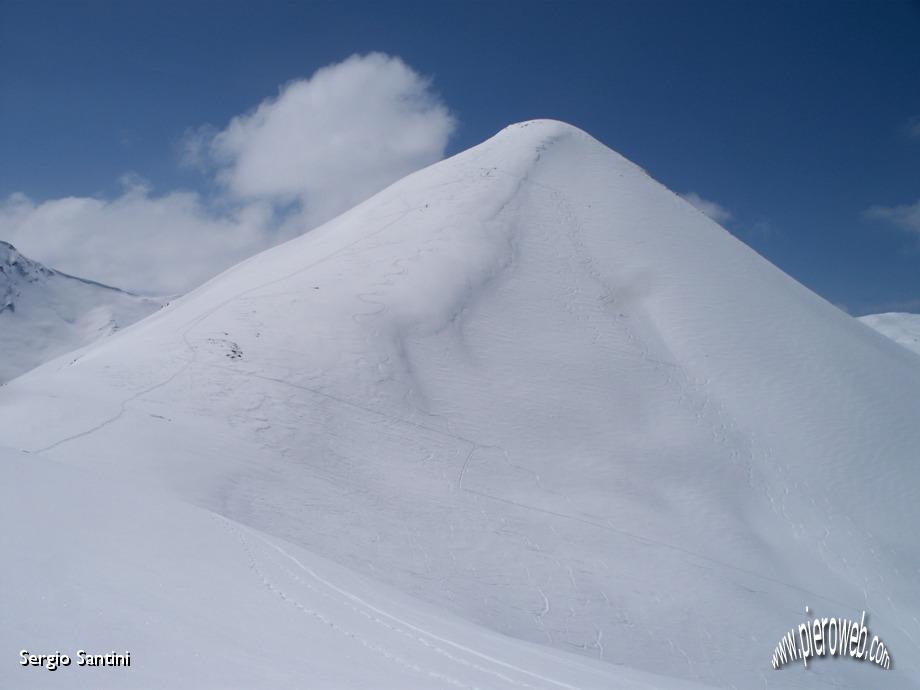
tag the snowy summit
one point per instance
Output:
(45, 313)
(524, 419)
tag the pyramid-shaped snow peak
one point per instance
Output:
(537, 394)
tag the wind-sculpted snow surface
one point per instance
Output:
(536, 391)
(45, 313)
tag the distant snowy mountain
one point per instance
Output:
(904, 329)
(45, 313)
(524, 419)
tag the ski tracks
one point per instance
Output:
(497, 673)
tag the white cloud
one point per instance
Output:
(913, 128)
(319, 147)
(335, 139)
(717, 212)
(906, 217)
(148, 244)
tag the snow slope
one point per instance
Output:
(527, 391)
(904, 329)
(45, 313)
(203, 602)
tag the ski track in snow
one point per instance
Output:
(474, 446)
(391, 623)
(193, 352)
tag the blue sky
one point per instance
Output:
(800, 120)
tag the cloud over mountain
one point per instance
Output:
(334, 139)
(299, 158)
(716, 211)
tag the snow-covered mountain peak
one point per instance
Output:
(528, 386)
(12, 260)
(44, 313)
(8, 253)
(15, 269)
(546, 129)
(524, 142)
